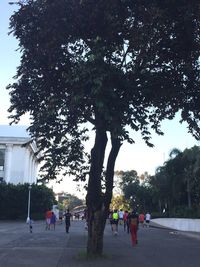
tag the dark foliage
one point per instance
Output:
(14, 201)
(111, 64)
(176, 185)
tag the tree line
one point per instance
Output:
(174, 189)
(14, 201)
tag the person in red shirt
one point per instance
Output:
(141, 219)
(133, 223)
(48, 219)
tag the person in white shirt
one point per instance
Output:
(147, 219)
(121, 215)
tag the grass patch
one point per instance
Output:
(82, 256)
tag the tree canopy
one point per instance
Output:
(68, 201)
(173, 190)
(137, 191)
(176, 183)
(110, 64)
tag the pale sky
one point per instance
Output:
(137, 156)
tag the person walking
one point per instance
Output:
(120, 214)
(125, 219)
(127, 223)
(141, 219)
(60, 216)
(115, 220)
(133, 224)
(67, 217)
(53, 220)
(147, 219)
(111, 219)
(48, 219)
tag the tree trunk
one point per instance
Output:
(94, 199)
(160, 205)
(97, 201)
(189, 193)
(116, 144)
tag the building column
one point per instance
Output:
(26, 166)
(35, 165)
(30, 169)
(8, 163)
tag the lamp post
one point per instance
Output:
(29, 202)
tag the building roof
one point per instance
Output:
(18, 135)
(14, 131)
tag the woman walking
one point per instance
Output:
(133, 224)
(53, 220)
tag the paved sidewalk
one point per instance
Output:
(195, 235)
(42, 248)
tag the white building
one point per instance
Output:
(18, 163)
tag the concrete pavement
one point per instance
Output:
(44, 248)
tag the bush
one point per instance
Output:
(14, 201)
(179, 212)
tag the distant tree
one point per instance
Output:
(69, 201)
(14, 201)
(109, 64)
(177, 183)
(191, 171)
(119, 202)
(161, 187)
(174, 152)
(173, 172)
(144, 178)
(139, 195)
(130, 184)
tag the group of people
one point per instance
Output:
(130, 222)
(51, 220)
(144, 220)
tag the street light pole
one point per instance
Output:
(29, 202)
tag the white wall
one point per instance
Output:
(17, 165)
(23, 165)
(192, 225)
(20, 164)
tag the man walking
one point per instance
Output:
(67, 217)
(147, 219)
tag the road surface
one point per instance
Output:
(156, 247)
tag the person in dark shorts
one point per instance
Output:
(147, 219)
(115, 220)
(67, 217)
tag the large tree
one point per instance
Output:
(110, 64)
(177, 182)
(191, 166)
